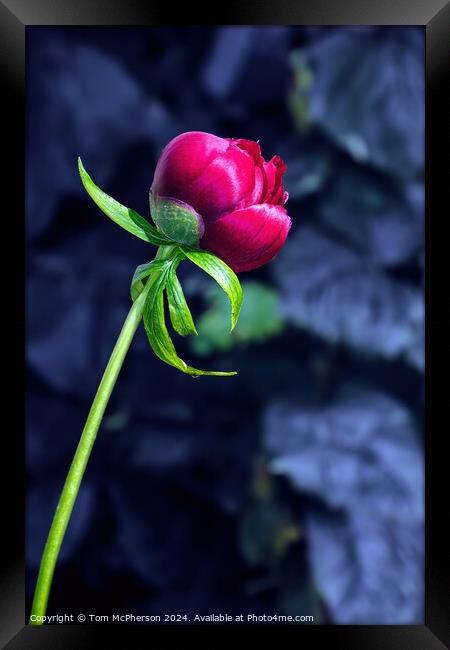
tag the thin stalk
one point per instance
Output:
(72, 484)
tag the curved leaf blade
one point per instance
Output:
(222, 274)
(121, 215)
(158, 336)
(154, 322)
(142, 272)
(180, 315)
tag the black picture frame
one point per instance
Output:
(15, 16)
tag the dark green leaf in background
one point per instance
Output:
(259, 320)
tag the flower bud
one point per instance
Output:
(238, 195)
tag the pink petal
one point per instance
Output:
(214, 175)
(258, 190)
(274, 170)
(224, 184)
(251, 147)
(248, 238)
(184, 158)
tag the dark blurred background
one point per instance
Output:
(295, 487)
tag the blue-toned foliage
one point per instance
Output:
(365, 89)
(360, 456)
(340, 295)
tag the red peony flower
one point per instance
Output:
(239, 195)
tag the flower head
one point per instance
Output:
(238, 195)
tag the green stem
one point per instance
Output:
(72, 484)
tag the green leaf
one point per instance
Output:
(222, 274)
(180, 315)
(158, 336)
(142, 272)
(259, 320)
(177, 220)
(154, 322)
(124, 217)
